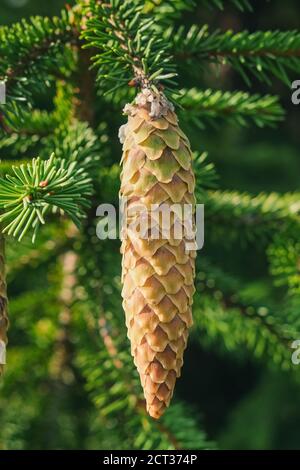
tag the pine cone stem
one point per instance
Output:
(157, 271)
(3, 306)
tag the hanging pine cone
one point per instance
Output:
(157, 274)
(3, 307)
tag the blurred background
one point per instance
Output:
(243, 404)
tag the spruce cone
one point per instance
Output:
(157, 274)
(3, 307)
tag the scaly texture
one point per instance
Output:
(3, 306)
(157, 271)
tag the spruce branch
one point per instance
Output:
(263, 53)
(284, 258)
(30, 123)
(25, 46)
(52, 243)
(236, 330)
(221, 308)
(240, 4)
(131, 50)
(244, 217)
(13, 145)
(167, 11)
(205, 173)
(35, 188)
(76, 142)
(30, 51)
(209, 107)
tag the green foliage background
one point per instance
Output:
(238, 389)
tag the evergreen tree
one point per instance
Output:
(68, 355)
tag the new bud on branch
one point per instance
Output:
(157, 274)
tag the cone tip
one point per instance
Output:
(156, 412)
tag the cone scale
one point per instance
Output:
(157, 272)
(3, 306)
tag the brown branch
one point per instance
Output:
(108, 342)
(85, 79)
(3, 305)
(63, 351)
